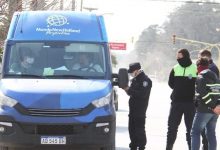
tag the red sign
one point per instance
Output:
(117, 46)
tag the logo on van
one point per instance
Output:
(55, 26)
(57, 20)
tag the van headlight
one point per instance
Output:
(102, 101)
(7, 101)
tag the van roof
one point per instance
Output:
(57, 25)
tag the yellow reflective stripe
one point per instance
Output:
(209, 94)
(204, 97)
(214, 93)
(208, 101)
(212, 84)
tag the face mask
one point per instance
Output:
(184, 62)
(180, 60)
(30, 60)
(132, 74)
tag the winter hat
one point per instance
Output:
(202, 64)
(133, 67)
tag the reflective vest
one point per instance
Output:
(190, 71)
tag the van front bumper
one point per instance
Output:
(100, 133)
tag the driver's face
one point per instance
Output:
(83, 59)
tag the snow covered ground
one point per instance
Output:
(156, 121)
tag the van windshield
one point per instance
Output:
(55, 60)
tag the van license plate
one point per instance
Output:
(53, 140)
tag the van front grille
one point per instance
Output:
(54, 112)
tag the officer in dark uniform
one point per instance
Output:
(139, 93)
(182, 82)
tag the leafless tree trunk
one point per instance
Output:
(73, 5)
(7, 8)
(61, 4)
(37, 5)
(14, 5)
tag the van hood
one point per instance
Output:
(55, 93)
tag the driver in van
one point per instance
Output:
(85, 64)
(26, 62)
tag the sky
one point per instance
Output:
(128, 18)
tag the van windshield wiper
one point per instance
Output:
(66, 76)
(25, 76)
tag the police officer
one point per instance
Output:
(182, 81)
(139, 93)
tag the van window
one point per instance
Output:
(56, 60)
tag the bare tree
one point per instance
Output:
(73, 5)
(7, 8)
(61, 4)
(37, 5)
(14, 5)
(43, 4)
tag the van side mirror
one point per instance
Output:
(121, 79)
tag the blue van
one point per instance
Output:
(56, 87)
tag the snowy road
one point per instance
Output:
(156, 121)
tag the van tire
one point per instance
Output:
(123, 78)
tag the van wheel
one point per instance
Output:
(3, 148)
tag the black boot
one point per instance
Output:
(169, 147)
(133, 148)
(141, 148)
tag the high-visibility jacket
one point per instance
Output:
(182, 81)
(190, 71)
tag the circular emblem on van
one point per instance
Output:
(56, 20)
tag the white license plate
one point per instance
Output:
(53, 140)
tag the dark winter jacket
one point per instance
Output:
(139, 93)
(214, 68)
(207, 91)
(182, 80)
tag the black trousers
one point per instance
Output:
(177, 110)
(136, 127)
